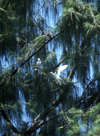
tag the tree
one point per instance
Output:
(55, 106)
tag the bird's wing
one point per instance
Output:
(61, 68)
(38, 62)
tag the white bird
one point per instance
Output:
(60, 69)
(38, 63)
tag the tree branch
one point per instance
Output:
(80, 100)
(15, 71)
(7, 119)
(44, 114)
(29, 58)
(7, 4)
(35, 125)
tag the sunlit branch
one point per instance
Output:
(2, 39)
(69, 125)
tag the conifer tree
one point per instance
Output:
(33, 101)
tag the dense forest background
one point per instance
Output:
(33, 101)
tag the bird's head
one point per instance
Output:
(38, 59)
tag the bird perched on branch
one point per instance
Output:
(38, 63)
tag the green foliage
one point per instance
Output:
(66, 106)
(40, 39)
(75, 121)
